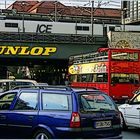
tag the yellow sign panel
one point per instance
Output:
(100, 67)
(25, 50)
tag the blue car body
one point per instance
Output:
(28, 113)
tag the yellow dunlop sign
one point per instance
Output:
(23, 50)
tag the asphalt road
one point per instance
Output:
(131, 133)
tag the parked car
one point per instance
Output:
(58, 112)
(130, 112)
(7, 84)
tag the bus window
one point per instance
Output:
(79, 78)
(125, 78)
(101, 77)
(92, 77)
(73, 78)
(85, 78)
(134, 78)
(124, 56)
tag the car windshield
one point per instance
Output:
(96, 102)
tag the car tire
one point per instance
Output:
(41, 134)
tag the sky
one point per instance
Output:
(86, 3)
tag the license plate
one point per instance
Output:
(102, 124)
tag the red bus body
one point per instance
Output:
(114, 71)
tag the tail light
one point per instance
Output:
(75, 120)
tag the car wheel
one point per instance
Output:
(41, 134)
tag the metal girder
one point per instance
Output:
(52, 38)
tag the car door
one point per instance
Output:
(132, 112)
(23, 116)
(6, 101)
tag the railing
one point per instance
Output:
(52, 38)
(97, 59)
(88, 58)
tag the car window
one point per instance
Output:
(27, 101)
(136, 99)
(95, 102)
(6, 100)
(56, 101)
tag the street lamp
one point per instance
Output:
(23, 5)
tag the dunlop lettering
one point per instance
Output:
(36, 51)
(25, 50)
(49, 50)
(12, 50)
(2, 48)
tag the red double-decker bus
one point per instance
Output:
(114, 71)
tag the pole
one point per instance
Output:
(23, 28)
(123, 17)
(5, 4)
(92, 16)
(23, 4)
(123, 12)
(55, 11)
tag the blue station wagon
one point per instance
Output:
(58, 112)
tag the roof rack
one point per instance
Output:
(43, 87)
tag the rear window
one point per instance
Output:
(56, 102)
(96, 102)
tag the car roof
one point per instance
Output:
(17, 80)
(55, 89)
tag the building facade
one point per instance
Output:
(131, 12)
